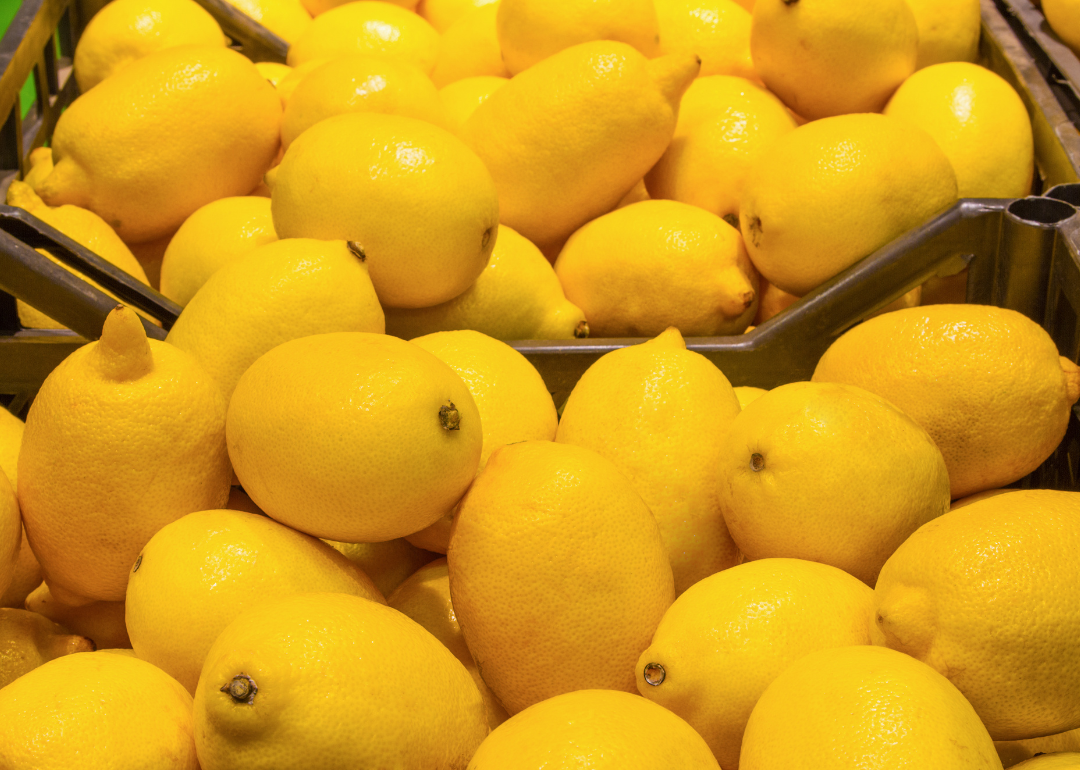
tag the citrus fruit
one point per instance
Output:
(388, 564)
(1013, 752)
(461, 98)
(285, 18)
(1063, 16)
(948, 30)
(718, 31)
(103, 622)
(30, 640)
(469, 48)
(442, 13)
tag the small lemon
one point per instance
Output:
(469, 48)
(388, 564)
(317, 7)
(461, 98)
(748, 394)
(948, 30)
(11, 433)
(718, 31)
(273, 71)
(289, 81)
(103, 622)
(1059, 761)
(442, 13)
(25, 577)
(285, 18)
(10, 532)
(1063, 16)
(28, 640)
(1014, 752)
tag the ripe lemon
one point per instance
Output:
(126, 30)
(566, 141)
(986, 383)
(723, 641)
(125, 435)
(1063, 16)
(948, 30)
(10, 532)
(316, 7)
(833, 57)
(829, 473)
(30, 640)
(103, 622)
(718, 31)
(210, 566)
(655, 264)
(419, 204)
(556, 567)
(1059, 761)
(273, 71)
(324, 680)
(461, 98)
(1013, 752)
(360, 83)
(388, 564)
(469, 48)
(846, 705)
(980, 123)
(748, 394)
(41, 165)
(289, 81)
(237, 315)
(285, 18)
(169, 133)
(367, 26)
(25, 577)
(11, 433)
(213, 236)
(404, 447)
(442, 13)
(425, 597)
(96, 709)
(660, 413)
(517, 297)
(832, 191)
(598, 729)
(988, 596)
(725, 124)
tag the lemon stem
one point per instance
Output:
(241, 688)
(450, 417)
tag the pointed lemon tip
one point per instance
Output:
(674, 72)
(23, 196)
(123, 352)
(669, 338)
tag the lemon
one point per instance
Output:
(316, 7)
(10, 532)
(28, 640)
(273, 71)
(833, 57)
(598, 729)
(832, 191)
(470, 48)
(367, 26)
(1059, 761)
(360, 83)
(660, 413)
(517, 297)
(532, 30)
(655, 264)
(41, 165)
(330, 680)
(417, 202)
(726, 638)
(388, 564)
(568, 139)
(213, 236)
(425, 597)
(829, 473)
(442, 13)
(285, 18)
(404, 447)
(210, 566)
(1063, 16)
(125, 435)
(103, 622)
(948, 30)
(288, 82)
(461, 98)
(124, 31)
(987, 596)
(986, 383)
(11, 433)
(96, 710)
(725, 124)
(237, 315)
(556, 567)
(748, 394)
(980, 123)
(847, 705)
(25, 577)
(718, 31)
(169, 133)
(1012, 753)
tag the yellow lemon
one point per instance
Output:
(442, 13)
(532, 30)
(316, 7)
(41, 166)
(832, 191)
(360, 83)
(986, 383)
(1013, 752)
(718, 31)
(517, 297)
(10, 532)
(27, 640)
(418, 203)
(11, 433)
(730, 635)
(469, 48)
(988, 596)
(169, 133)
(556, 565)
(748, 394)
(660, 413)
(948, 30)
(1059, 761)
(103, 622)
(829, 473)
(598, 729)
(289, 81)
(405, 445)
(285, 18)
(96, 709)
(725, 124)
(324, 680)
(210, 566)
(25, 577)
(1063, 16)
(273, 71)
(461, 98)
(833, 57)
(567, 140)
(772, 301)
(320, 286)
(655, 264)
(213, 236)
(125, 435)
(388, 564)
(126, 30)
(367, 26)
(425, 597)
(980, 123)
(846, 705)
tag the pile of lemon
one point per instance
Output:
(335, 521)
